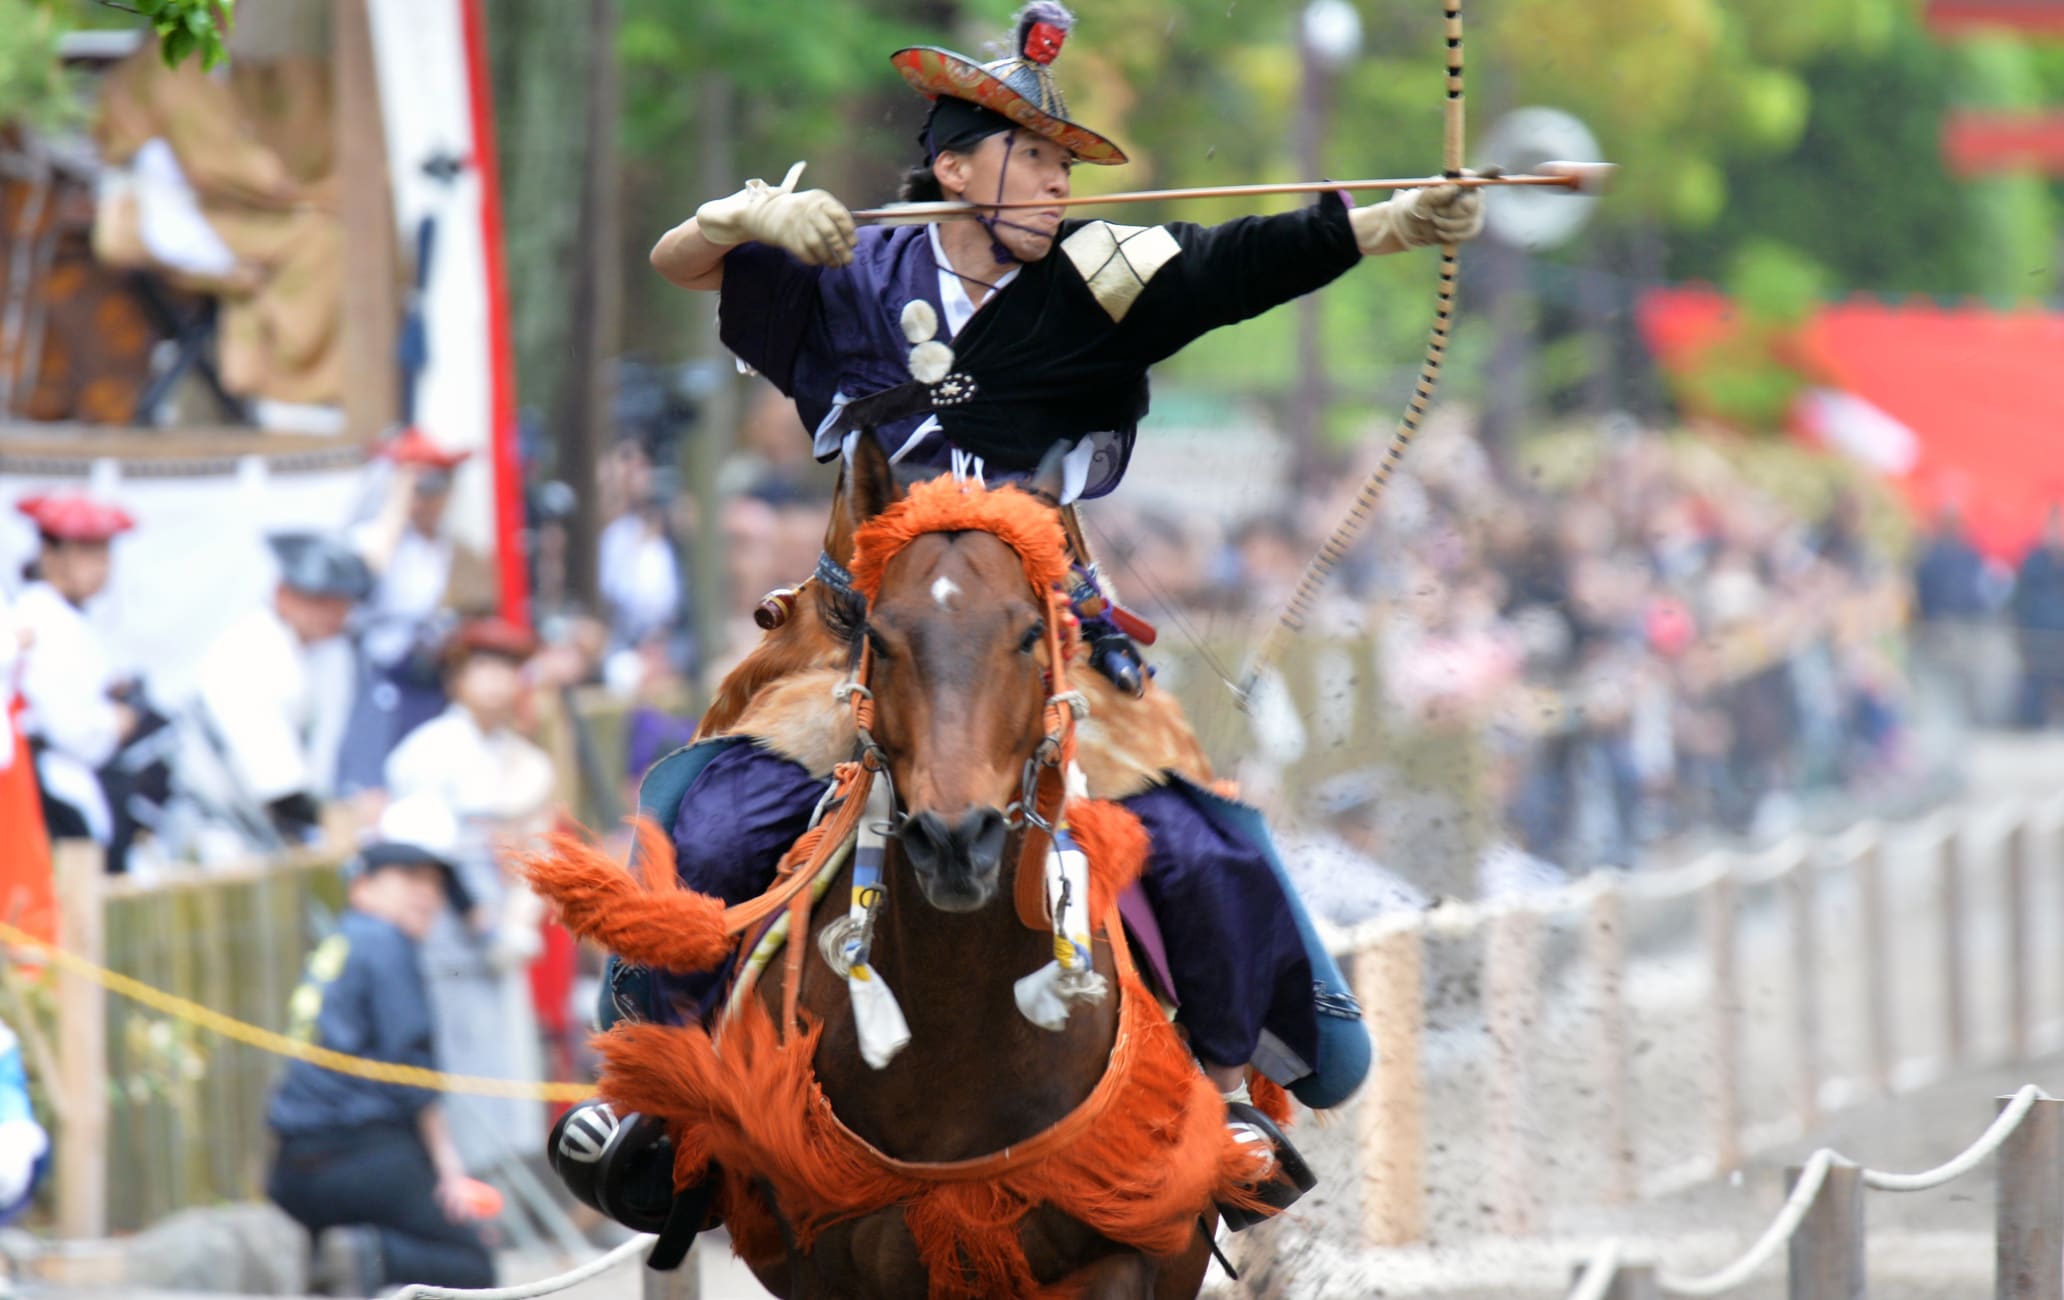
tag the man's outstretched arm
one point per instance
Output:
(812, 225)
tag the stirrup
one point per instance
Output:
(1289, 1178)
(1118, 659)
(622, 1167)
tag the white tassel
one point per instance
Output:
(1047, 995)
(878, 1017)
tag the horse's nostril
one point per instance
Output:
(973, 845)
(926, 841)
(983, 833)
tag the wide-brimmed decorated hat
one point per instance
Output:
(1020, 87)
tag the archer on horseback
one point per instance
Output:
(967, 347)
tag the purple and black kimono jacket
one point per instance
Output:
(1058, 354)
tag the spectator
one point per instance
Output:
(2039, 618)
(73, 719)
(229, 186)
(499, 786)
(1949, 577)
(640, 573)
(419, 574)
(24, 1145)
(1955, 597)
(370, 1167)
(254, 761)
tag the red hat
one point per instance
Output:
(412, 447)
(493, 636)
(75, 517)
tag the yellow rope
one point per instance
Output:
(265, 1040)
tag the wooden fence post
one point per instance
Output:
(2028, 1247)
(82, 1045)
(1389, 982)
(1605, 957)
(1827, 1250)
(1512, 968)
(1877, 967)
(1725, 1004)
(2020, 955)
(1801, 894)
(1956, 1027)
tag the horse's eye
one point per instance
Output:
(1033, 636)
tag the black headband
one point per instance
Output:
(959, 125)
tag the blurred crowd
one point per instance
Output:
(1637, 644)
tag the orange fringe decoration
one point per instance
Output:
(651, 918)
(1019, 520)
(1154, 1155)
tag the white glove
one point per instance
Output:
(1438, 214)
(813, 225)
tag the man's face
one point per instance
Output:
(314, 618)
(1027, 169)
(406, 897)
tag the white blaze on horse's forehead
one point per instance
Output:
(944, 590)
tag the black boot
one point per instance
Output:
(1289, 1177)
(1114, 655)
(623, 1168)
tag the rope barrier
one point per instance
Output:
(1775, 1236)
(1605, 1261)
(573, 1277)
(2008, 1120)
(278, 1044)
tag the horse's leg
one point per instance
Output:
(1118, 1277)
(1182, 1276)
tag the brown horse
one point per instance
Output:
(958, 648)
(990, 1156)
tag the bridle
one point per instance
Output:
(1043, 784)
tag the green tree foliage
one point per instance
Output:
(187, 27)
(184, 28)
(33, 85)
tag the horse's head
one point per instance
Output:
(955, 642)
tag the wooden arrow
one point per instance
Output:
(1577, 178)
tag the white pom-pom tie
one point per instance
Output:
(930, 361)
(920, 322)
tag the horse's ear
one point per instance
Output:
(1051, 478)
(871, 483)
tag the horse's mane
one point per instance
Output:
(1022, 521)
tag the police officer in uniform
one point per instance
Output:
(370, 1167)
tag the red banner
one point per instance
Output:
(1978, 144)
(2043, 16)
